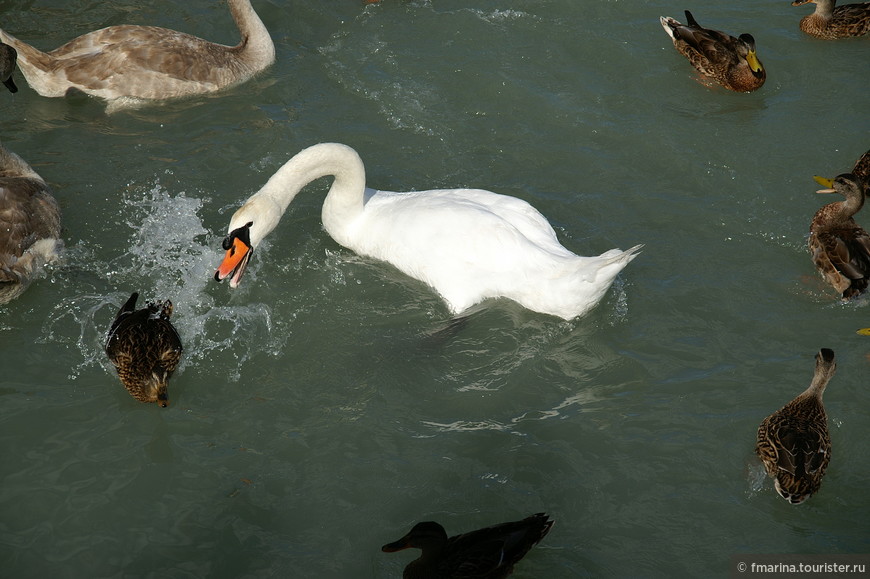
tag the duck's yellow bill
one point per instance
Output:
(753, 61)
(828, 184)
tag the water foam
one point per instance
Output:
(169, 255)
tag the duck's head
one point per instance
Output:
(150, 388)
(846, 184)
(425, 535)
(748, 52)
(239, 249)
(826, 364)
(159, 390)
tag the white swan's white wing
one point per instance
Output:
(468, 244)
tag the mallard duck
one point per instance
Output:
(793, 442)
(489, 553)
(729, 61)
(128, 65)
(467, 244)
(829, 21)
(145, 348)
(840, 247)
(29, 225)
(8, 58)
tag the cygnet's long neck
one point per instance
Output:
(343, 204)
(256, 45)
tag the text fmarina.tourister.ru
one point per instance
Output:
(807, 568)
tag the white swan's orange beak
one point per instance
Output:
(236, 259)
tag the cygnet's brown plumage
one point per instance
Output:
(793, 442)
(128, 65)
(29, 225)
(145, 348)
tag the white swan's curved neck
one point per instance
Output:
(343, 204)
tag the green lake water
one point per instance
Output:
(320, 410)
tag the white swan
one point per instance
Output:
(29, 225)
(128, 65)
(467, 244)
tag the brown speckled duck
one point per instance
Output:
(729, 61)
(145, 349)
(830, 21)
(488, 553)
(29, 225)
(8, 58)
(128, 65)
(793, 442)
(840, 247)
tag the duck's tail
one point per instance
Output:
(670, 25)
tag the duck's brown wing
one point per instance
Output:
(795, 451)
(123, 313)
(714, 49)
(852, 19)
(493, 551)
(803, 452)
(142, 342)
(842, 256)
(862, 169)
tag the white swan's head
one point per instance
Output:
(239, 251)
(262, 212)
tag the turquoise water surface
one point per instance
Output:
(321, 409)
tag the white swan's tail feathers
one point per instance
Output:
(617, 255)
(592, 280)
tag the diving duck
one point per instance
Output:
(830, 21)
(488, 553)
(29, 225)
(145, 349)
(840, 247)
(729, 61)
(129, 65)
(793, 442)
(8, 57)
